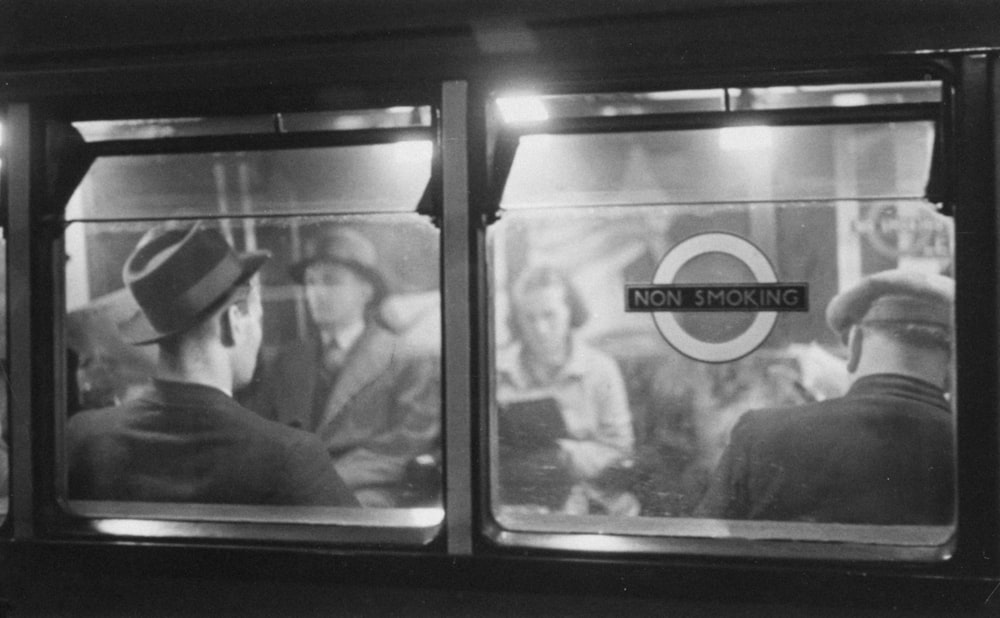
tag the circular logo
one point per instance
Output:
(900, 230)
(763, 321)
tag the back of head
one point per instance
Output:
(179, 276)
(903, 317)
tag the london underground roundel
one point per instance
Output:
(763, 299)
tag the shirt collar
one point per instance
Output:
(346, 337)
(510, 363)
(185, 391)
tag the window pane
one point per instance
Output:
(838, 95)
(150, 128)
(863, 161)
(517, 108)
(355, 179)
(609, 420)
(337, 393)
(522, 107)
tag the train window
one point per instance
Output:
(300, 275)
(688, 309)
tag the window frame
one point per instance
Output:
(62, 160)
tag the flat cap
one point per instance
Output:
(893, 296)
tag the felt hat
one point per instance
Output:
(178, 275)
(894, 296)
(348, 247)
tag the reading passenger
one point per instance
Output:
(185, 439)
(564, 419)
(374, 405)
(882, 453)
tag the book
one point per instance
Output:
(530, 424)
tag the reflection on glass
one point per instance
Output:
(688, 465)
(152, 128)
(356, 179)
(722, 165)
(515, 108)
(836, 95)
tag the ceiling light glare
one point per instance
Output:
(522, 109)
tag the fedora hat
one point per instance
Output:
(178, 275)
(348, 247)
(893, 296)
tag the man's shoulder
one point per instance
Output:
(263, 429)
(99, 422)
(773, 421)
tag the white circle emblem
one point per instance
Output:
(739, 346)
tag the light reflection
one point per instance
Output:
(849, 99)
(413, 151)
(745, 139)
(137, 527)
(522, 109)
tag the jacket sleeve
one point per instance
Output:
(727, 496)
(413, 429)
(310, 478)
(614, 437)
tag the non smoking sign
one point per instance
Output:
(765, 298)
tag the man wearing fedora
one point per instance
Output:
(185, 439)
(882, 454)
(374, 404)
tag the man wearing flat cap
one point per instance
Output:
(882, 454)
(351, 381)
(185, 439)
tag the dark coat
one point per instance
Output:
(882, 454)
(183, 442)
(382, 410)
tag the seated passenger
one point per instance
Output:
(184, 439)
(882, 453)
(375, 406)
(563, 422)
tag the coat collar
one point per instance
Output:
(185, 394)
(896, 385)
(510, 364)
(369, 359)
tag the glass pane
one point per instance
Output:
(355, 179)
(521, 107)
(150, 128)
(758, 163)
(837, 95)
(335, 401)
(671, 370)
(517, 108)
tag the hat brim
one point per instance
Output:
(852, 305)
(297, 272)
(137, 330)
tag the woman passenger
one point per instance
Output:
(565, 429)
